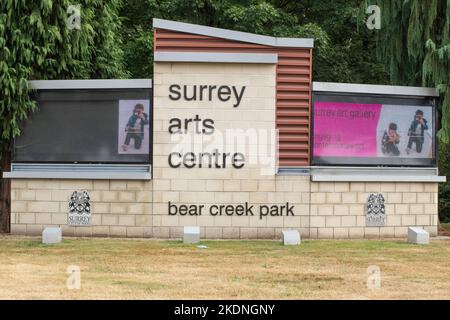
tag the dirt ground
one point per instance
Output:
(150, 269)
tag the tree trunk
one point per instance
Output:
(5, 191)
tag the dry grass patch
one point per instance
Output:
(148, 269)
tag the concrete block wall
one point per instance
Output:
(323, 210)
(236, 191)
(119, 208)
(338, 209)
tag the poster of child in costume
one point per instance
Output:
(134, 123)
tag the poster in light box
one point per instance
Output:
(362, 133)
(134, 123)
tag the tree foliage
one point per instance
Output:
(343, 51)
(36, 43)
(351, 52)
(414, 44)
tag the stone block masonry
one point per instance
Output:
(127, 208)
(119, 208)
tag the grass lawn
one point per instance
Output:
(149, 269)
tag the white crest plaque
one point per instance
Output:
(79, 209)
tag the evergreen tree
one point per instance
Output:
(351, 54)
(41, 40)
(414, 44)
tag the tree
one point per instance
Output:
(136, 17)
(351, 53)
(345, 50)
(255, 16)
(41, 40)
(414, 44)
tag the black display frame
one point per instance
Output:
(330, 96)
(134, 93)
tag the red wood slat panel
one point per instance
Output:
(293, 87)
(292, 113)
(288, 95)
(290, 163)
(293, 146)
(177, 41)
(287, 129)
(293, 96)
(293, 121)
(286, 70)
(289, 79)
(204, 44)
(293, 106)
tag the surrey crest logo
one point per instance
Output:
(375, 210)
(79, 209)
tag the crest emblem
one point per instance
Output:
(79, 209)
(376, 213)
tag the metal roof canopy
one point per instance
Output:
(233, 35)
(374, 89)
(91, 84)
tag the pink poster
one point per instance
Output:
(344, 129)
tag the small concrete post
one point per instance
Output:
(418, 235)
(51, 235)
(191, 234)
(291, 237)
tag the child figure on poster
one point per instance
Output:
(390, 141)
(416, 132)
(135, 127)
